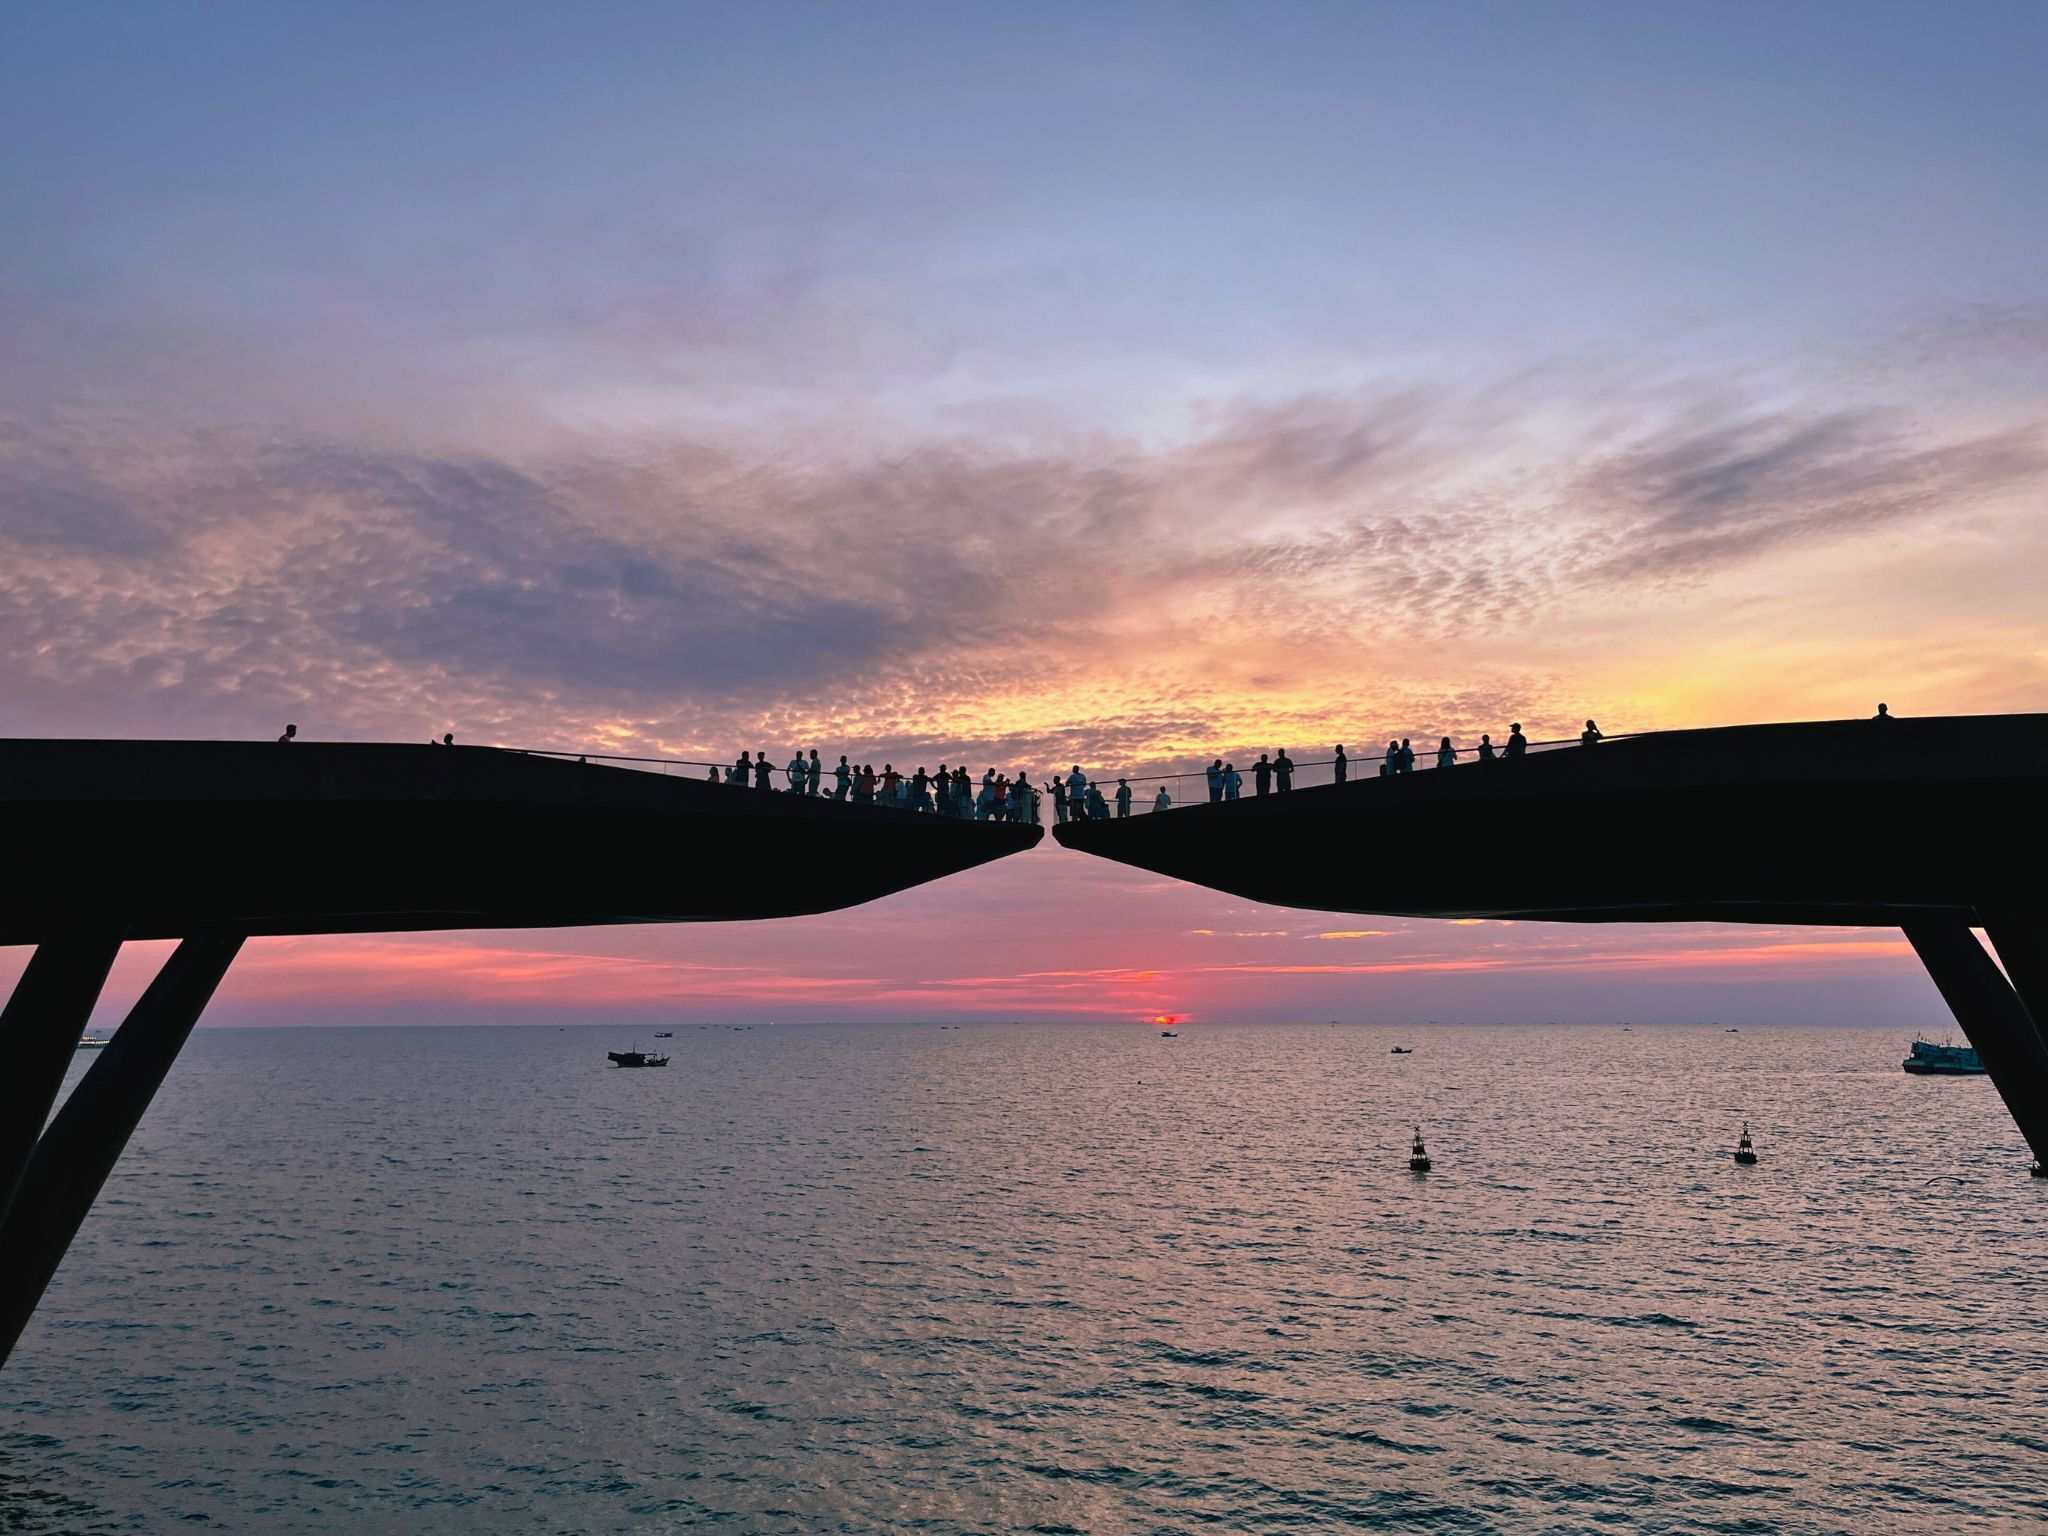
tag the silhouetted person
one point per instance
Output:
(291, 733)
(892, 781)
(963, 793)
(739, 771)
(714, 773)
(1098, 808)
(813, 772)
(842, 779)
(1233, 782)
(1340, 765)
(1518, 744)
(864, 785)
(1883, 713)
(1283, 772)
(1590, 736)
(1391, 763)
(1059, 801)
(1077, 794)
(1215, 776)
(920, 782)
(1123, 799)
(797, 772)
(762, 771)
(1446, 754)
(1262, 775)
(1162, 801)
(1407, 756)
(1486, 752)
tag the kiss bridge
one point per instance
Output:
(1935, 826)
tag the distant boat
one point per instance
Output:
(93, 1042)
(664, 1034)
(1169, 1034)
(636, 1059)
(1927, 1059)
(1402, 1050)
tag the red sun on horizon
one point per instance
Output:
(1164, 1020)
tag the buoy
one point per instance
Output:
(1418, 1155)
(1745, 1153)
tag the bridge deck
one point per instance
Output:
(158, 839)
(1849, 822)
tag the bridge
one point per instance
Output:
(211, 843)
(1934, 826)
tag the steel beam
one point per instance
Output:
(72, 1160)
(1993, 1018)
(2021, 939)
(39, 1032)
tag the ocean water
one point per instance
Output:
(1001, 1278)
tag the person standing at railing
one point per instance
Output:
(1283, 772)
(291, 733)
(797, 772)
(1215, 777)
(761, 770)
(738, 773)
(813, 772)
(1407, 756)
(1590, 736)
(1391, 763)
(1446, 754)
(1486, 753)
(1233, 782)
(1518, 744)
(1340, 766)
(1077, 794)
(714, 773)
(1262, 775)
(1058, 787)
(963, 793)
(842, 779)
(1098, 808)
(1164, 802)
(1123, 799)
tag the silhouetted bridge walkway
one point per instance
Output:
(210, 843)
(1935, 826)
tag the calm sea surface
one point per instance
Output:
(878, 1278)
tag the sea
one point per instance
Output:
(1003, 1277)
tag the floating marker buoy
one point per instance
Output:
(1745, 1153)
(1418, 1155)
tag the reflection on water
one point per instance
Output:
(1061, 1278)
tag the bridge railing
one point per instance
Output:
(1191, 787)
(1183, 787)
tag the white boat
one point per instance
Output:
(93, 1042)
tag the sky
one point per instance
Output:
(1122, 385)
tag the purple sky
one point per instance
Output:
(1121, 385)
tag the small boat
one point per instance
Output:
(1169, 1034)
(1418, 1154)
(636, 1059)
(1402, 1050)
(93, 1042)
(1926, 1059)
(664, 1034)
(1745, 1150)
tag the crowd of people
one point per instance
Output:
(949, 792)
(1014, 798)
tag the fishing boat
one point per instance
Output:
(664, 1034)
(1418, 1154)
(636, 1058)
(1169, 1034)
(1745, 1150)
(1926, 1059)
(1402, 1050)
(94, 1042)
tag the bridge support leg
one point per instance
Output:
(1995, 1021)
(39, 1032)
(78, 1151)
(2021, 939)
